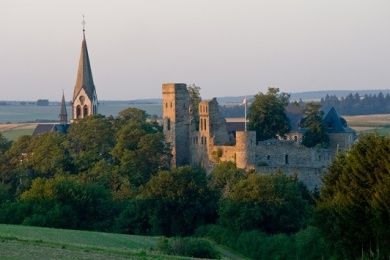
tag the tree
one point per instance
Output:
(4, 144)
(270, 203)
(315, 130)
(180, 200)
(353, 210)
(223, 176)
(140, 151)
(68, 203)
(90, 140)
(47, 155)
(194, 92)
(267, 114)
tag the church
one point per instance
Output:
(84, 102)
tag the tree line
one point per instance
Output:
(113, 174)
(354, 104)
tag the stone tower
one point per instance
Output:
(85, 102)
(176, 121)
(63, 113)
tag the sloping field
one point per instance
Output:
(370, 123)
(23, 242)
(14, 131)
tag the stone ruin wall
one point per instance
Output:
(310, 176)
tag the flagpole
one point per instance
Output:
(245, 101)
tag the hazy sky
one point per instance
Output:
(226, 47)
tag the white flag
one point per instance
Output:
(244, 102)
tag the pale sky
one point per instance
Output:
(225, 47)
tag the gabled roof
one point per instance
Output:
(84, 74)
(41, 129)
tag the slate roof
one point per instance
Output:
(331, 119)
(334, 123)
(84, 74)
(41, 129)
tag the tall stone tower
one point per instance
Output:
(63, 113)
(85, 102)
(176, 121)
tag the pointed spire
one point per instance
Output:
(63, 113)
(84, 73)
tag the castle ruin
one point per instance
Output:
(208, 142)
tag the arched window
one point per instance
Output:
(85, 111)
(78, 112)
(201, 124)
(286, 159)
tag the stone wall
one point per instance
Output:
(290, 153)
(176, 121)
(310, 176)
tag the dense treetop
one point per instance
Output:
(267, 114)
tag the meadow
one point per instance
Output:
(51, 243)
(370, 123)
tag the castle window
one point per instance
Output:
(205, 140)
(166, 104)
(268, 157)
(168, 124)
(286, 159)
(85, 111)
(171, 105)
(78, 112)
(201, 124)
(205, 124)
(206, 109)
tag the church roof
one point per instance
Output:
(41, 129)
(63, 111)
(84, 74)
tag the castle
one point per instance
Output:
(209, 142)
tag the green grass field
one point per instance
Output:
(25, 242)
(15, 134)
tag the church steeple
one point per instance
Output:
(63, 113)
(84, 94)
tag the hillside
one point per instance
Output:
(50, 243)
(38, 243)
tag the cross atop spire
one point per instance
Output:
(83, 24)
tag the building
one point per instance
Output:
(61, 127)
(214, 141)
(85, 102)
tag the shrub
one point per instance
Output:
(192, 247)
(306, 244)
